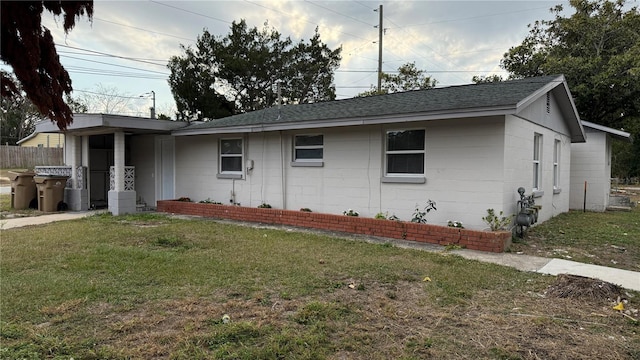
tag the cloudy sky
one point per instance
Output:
(128, 44)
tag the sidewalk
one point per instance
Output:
(624, 278)
(42, 219)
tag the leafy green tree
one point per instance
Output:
(409, 77)
(76, 105)
(28, 48)
(597, 48)
(18, 116)
(477, 79)
(237, 73)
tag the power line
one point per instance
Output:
(339, 13)
(111, 55)
(87, 71)
(473, 17)
(189, 11)
(137, 28)
(307, 21)
(122, 66)
(109, 95)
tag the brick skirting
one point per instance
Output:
(491, 241)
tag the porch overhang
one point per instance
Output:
(95, 124)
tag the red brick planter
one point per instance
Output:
(470, 239)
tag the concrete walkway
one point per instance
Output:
(624, 278)
(42, 219)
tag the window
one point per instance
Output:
(404, 152)
(556, 165)
(537, 171)
(308, 148)
(231, 156)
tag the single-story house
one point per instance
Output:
(591, 167)
(468, 148)
(48, 140)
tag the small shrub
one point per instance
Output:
(264, 206)
(350, 212)
(385, 216)
(455, 224)
(305, 210)
(209, 201)
(184, 198)
(499, 222)
(420, 216)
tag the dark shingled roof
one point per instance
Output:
(463, 97)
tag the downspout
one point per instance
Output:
(282, 179)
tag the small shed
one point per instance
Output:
(591, 167)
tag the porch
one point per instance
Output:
(121, 163)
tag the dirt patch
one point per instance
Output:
(572, 320)
(579, 287)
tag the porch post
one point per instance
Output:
(118, 161)
(76, 195)
(120, 200)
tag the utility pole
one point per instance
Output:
(153, 109)
(380, 32)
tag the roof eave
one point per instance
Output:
(617, 134)
(377, 120)
(108, 123)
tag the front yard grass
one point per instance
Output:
(152, 286)
(609, 238)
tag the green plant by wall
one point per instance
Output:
(420, 216)
(499, 222)
(350, 212)
(455, 224)
(264, 206)
(385, 216)
(209, 201)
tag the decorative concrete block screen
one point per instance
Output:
(442, 235)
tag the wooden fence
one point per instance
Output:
(17, 157)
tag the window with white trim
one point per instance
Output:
(405, 152)
(556, 164)
(308, 148)
(537, 170)
(231, 156)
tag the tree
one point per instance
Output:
(478, 79)
(597, 48)
(408, 78)
(239, 72)
(105, 99)
(76, 105)
(18, 116)
(28, 48)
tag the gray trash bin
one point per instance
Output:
(51, 192)
(23, 190)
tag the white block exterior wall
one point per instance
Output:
(142, 157)
(542, 117)
(591, 163)
(471, 165)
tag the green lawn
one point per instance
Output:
(609, 238)
(151, 286)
